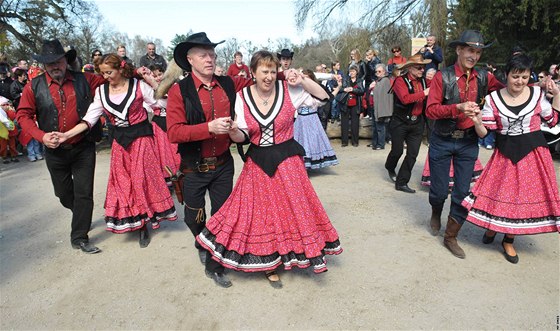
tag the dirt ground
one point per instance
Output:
(392, 274)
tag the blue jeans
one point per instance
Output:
(379, 132)
(489, 140)
(34, 149)
(335, 110)
(463, 152)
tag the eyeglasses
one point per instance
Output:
(396, 51)
(419, 67)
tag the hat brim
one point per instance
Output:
(181, 50)
(50, 58)
(279, 55)
(409, 64)
(456, 43)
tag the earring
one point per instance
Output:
(254, 80)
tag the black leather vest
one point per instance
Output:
(47, 113)
(451, 96)
(191, 152)
(403, 111)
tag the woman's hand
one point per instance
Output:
(293, 77)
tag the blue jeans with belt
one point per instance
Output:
(463, 152)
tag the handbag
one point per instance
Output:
(341, 97)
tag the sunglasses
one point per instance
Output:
(396, 51)
(419, 67)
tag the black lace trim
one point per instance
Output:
(548, 218)
(134, 219)
(308, 160)
(251, 262)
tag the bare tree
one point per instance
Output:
(30, 21)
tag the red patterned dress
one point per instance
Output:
(136, 191)
(517, 192)
(273, 216)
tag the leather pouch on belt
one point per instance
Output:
(177, 181)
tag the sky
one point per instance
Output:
(253, 20)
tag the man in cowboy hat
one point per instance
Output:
(57, 101)
(455, 95)
(407, 123)
(200, 112)
(285, 57)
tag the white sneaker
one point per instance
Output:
(489, 147)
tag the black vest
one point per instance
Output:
(191, 152)
(403, 111)
(47, 113)
(451, 96)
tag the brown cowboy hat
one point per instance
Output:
(414, 59)
(471, 38)
(181, 50)
(53, 51)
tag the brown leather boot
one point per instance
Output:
(450, 238)
(435, 221)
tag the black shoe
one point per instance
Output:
(355, 145)
(343, 145)
(512, 259)
(392, 175)
(202, 256)
(6, 161)
(487, 239)
(86, 247)
(404, 188)
(219, 278)
(144, 237)
(369, 145)
(15, 160)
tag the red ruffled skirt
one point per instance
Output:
(517, 198)
(271, 221)
(136, 191)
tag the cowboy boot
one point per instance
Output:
(435, 220)
(450, 238)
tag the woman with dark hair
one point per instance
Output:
(350, 106)
(397, 59)
(136, 191)
(517, 192)
(273, 216)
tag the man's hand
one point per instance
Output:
(51, 140)
(426, 92)
(468, 108)
(220, 125)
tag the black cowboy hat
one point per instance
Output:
(53, 51)
(285, 53)
(181, 50)
(470, 38)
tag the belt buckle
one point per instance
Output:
(457, 134)
(204, 167)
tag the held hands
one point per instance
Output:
(468, 108)
(426, 92)
(293, 77)
(348, 89)
(53, 140)
(221, 125)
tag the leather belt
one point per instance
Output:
(208, 163)
(458, 134)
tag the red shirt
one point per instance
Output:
(436, 110)
(215, 104)
(64, 98)
(397, 60)
(401, 90)
(234, 70)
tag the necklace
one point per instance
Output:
(264, 101)
(512, 96)
(117, 88)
